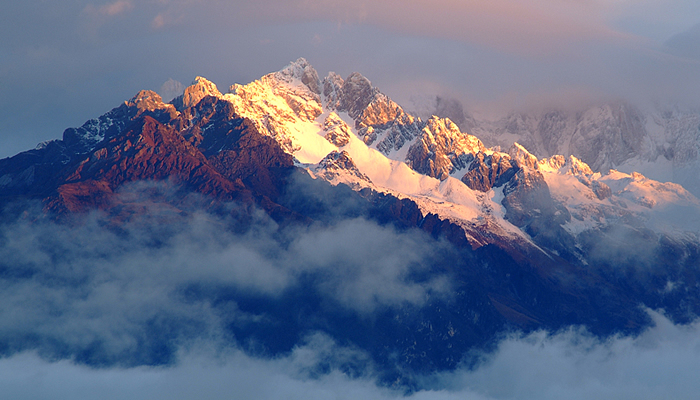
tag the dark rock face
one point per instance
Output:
(486, 172)
(529, 206)
(526, 197)
(206, 149)
(148, 150)
(355, 95)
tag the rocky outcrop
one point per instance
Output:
(355, 95)
(523, 157)
(332, 90)
(337, 131)
(199, 89)
(489, 171)
(336, 164)
(442, 149)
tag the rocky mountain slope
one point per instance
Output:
(526, 242)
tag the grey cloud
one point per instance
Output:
(660, 363)
(367, 266)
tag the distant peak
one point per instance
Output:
(171, 89)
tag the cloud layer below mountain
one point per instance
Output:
(660, 363)
(117, 310)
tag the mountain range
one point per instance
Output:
(522, 223)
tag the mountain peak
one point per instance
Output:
(148, 100)
(332, 85)
(199, 89)
(300, 70)
(520, 154)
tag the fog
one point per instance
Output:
(126, 294)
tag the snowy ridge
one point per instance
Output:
(92, 132)
(346, 131)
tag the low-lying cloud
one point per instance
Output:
(143, 309)
(130, 294)
(660, 363)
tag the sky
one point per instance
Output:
(62, 63)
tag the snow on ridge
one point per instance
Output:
(289, 106)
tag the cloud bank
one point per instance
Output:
(144, 309)
(660, 363)
(132, 293)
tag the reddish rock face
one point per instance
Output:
(147, 150)
(206, 149)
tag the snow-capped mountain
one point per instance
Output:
(317, 121)
(525, 241)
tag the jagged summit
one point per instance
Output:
(396, 151)
(300, 70)
(199, 89)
